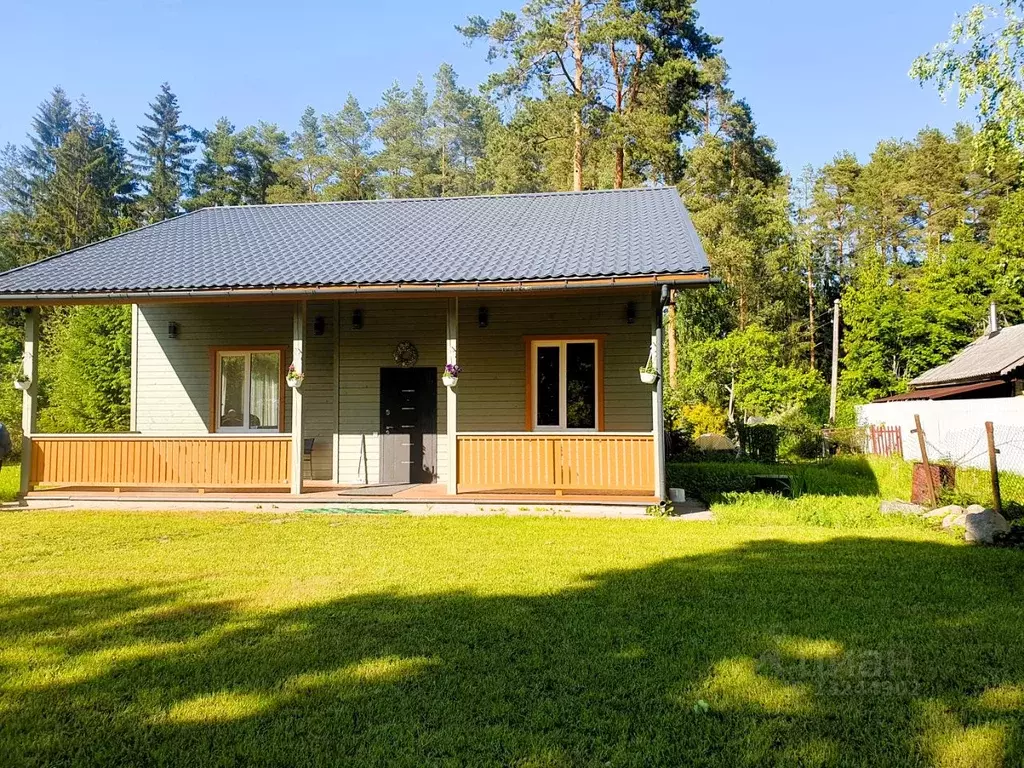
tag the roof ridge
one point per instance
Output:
(61, 254)
(562, 193)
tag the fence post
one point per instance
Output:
(924, 460)
(993, 467)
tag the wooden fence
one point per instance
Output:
(137, 461)
(603, 462)
(886, 441)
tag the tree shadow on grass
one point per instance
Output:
(853, 651)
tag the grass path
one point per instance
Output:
(224, 639)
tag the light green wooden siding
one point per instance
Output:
(173, 375)
(492, 389)
(363, 353)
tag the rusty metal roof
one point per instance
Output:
(990, 357)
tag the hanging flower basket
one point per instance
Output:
(648, 376)
(22, 382)
(294, 377)
(450, 375)
(648, 371)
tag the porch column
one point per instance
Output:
(30, 367)
(451, 430)
(657, 405)
(298, 342)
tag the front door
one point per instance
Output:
(408, 425)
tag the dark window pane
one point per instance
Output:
(581, 386)
(548, 395)
(232, 390)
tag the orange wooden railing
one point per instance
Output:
(556, 462)
(138, 461)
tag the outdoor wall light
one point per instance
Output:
(173, 330)
(631, 312)
(319, 324)
(482, 318)
(357, 319)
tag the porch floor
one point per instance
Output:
(320, 492)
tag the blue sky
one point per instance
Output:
(820, 75)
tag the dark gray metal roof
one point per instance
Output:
(614, 233)
(990, 357)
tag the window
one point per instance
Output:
(565, 384)
(248, 390)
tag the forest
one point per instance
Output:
(914, 241)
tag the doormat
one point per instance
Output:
(353, 511)
(377, 490)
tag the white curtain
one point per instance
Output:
(264, 390)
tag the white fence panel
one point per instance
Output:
(955, 429)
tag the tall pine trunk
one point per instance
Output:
(577, 116)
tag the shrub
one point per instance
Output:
(704, 419)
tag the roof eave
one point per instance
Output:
(681, 280)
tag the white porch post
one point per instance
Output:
(451, 356)
(30, 367)
(298, 343)
(657, 403)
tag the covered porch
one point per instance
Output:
(549, 407)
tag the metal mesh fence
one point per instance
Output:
(967, 450)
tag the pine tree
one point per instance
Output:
(349, 138)
(311, 155)
(456, 134)
(274, 171)
(401, 124)
(162, 156)
(225, 174)
(549, 42)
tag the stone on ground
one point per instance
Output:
(954, 520)
(901, 508)
(950, 509)
(982, 527)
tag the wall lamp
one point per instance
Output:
(357, 319)
(631, 312)
(173, 330)
(482, 318)
(319, 324)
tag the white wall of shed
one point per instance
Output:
(955, 429)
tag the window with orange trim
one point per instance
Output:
(565, 386)
(249, 390)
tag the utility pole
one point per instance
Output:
(835, 363)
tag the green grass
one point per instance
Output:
(10, 481)
(854, 476)
(228, 639)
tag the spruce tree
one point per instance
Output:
(162, 151)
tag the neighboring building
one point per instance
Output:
(955, 400)
(549, 303)
(992, 366)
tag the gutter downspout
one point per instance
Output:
(658, 404)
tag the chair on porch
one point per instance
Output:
(307, 454)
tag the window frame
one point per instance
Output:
(216, 353)
(532, 344)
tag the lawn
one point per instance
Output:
(222, 638)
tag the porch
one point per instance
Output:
(549, 406)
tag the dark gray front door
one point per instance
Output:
(408, 425)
